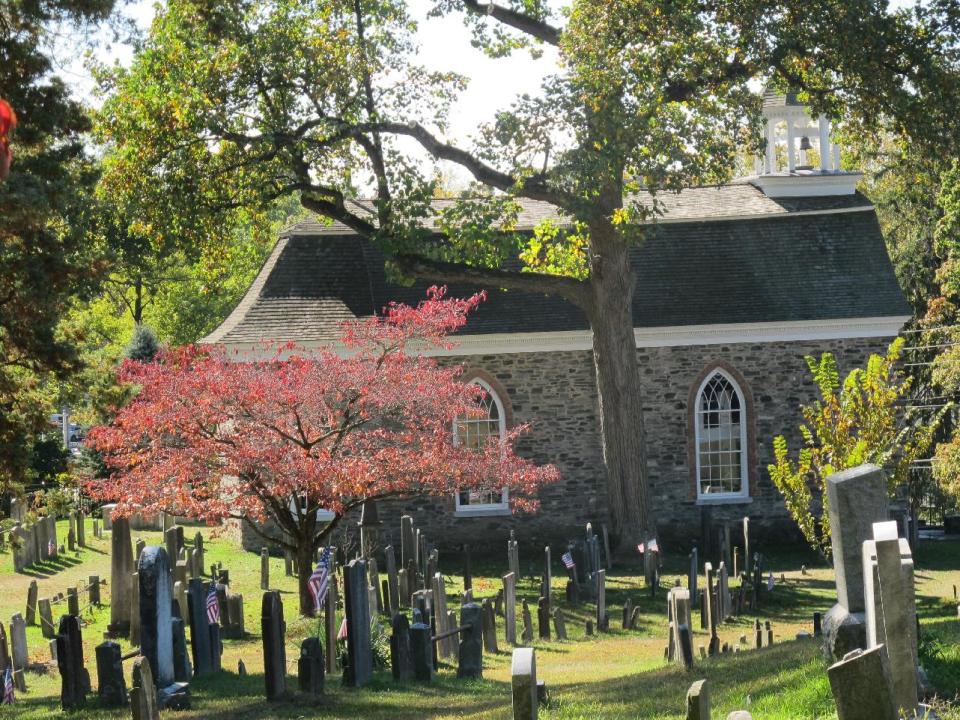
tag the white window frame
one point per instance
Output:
(485, 509)
(743, 495)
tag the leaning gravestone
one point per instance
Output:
(274, 629)
(310, 672)
(359, 670)
(857, 499)
(121, 570)
(32, 594)
(111, 686)
(46, 619)
(523, 681)
(892, 617)
(559, 624)
(510, 607)
(698, 701)
(401, 653)
(861, 686)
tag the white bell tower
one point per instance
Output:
(801, 159)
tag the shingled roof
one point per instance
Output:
(720, 255)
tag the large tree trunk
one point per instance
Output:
(304, 571)
(618, 386)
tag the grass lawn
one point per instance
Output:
(616, 675)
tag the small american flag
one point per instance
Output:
(568, 562)
(319, 582)
(342, 632)
(213, 607)
(8, 696)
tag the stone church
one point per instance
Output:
(735, 285)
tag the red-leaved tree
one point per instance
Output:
(212, 437)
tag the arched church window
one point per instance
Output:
(721, 439)
(475, 432)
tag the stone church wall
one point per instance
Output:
(555, 392)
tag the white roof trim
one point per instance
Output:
(673, 336)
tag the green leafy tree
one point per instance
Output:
(235, 103)
(861, 420)
(43, 260)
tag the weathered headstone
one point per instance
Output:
(489, 627)
(46, 619)
(182, 669)
(422, 651)
(527, 637)
(510, 608)
(393, 584)
(134, 632)
(891, 615)
(359, 668)
(264, 569)
(523, 681)
(121, 570)
(274, 631)
(143, 692)
(698, 701)
(692, 576)
(93, 590)
(600, 581)
(32, 594)
(156, 634)
(401, 653)
(861, 686)
(470, 651)
(559, 624)
(111, 686)
(310, 671)
(198, 553)
(200, 645)
(73, 601)
(446, 648)
(543, 619)
(18, 641)
(857, 498)
(81, 530)
(709, 595)
(4, 652)
(513, 557)
(74, 678)
(547, 576)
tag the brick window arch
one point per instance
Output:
(476, 431)
(721, 437)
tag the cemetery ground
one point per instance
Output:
(619, 674)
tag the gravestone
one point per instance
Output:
(4, 652)
(156, 638)
(143, 692)
(601, 594)
(421, 651)
(559, 624)
(685, 650)
(678, 602)
(523, 682)
(692, 575)
(470, 651)
(527, 624)
(489, 627)
(698, 701)
(543, 619)
(134, 633)
(81, 531)
(234, 629)
(891, 615)
(180, 597)
(758, 633)
(121, 571)
(106, 513)
(111, 686)
(709, 604)
(18, 641)
(359, 669)
(182, 669)
(510, 608)
(73, 601)
(310, 672)
(46, 619)
(393, 584)
(861, 686)
(446, 648)
(198, 553)
(200, 644)
(857, 499)
(513, 557)
(74, 678)
(401, 653)
(93, 590)
(32, 594)
(274, 630)
(264, 569)
(547, 576)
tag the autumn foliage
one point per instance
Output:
(210, 436)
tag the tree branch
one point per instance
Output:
(519, 21)
(573, 290)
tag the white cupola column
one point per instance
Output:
(791, 159)
(824, 143)
(771, 157)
